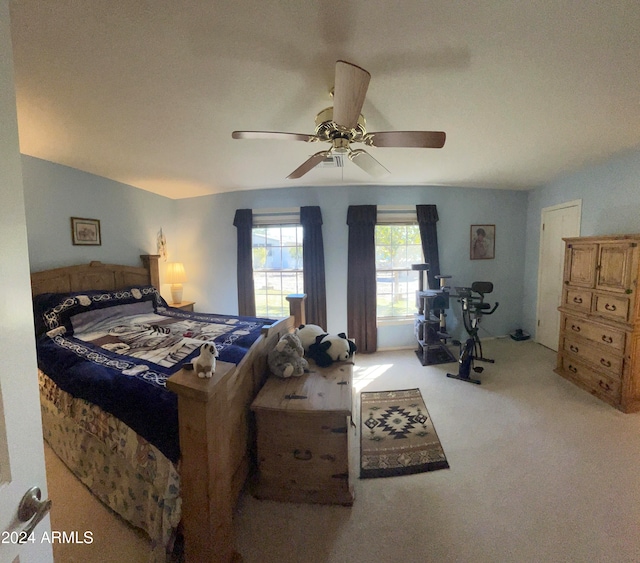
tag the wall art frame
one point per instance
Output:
(482, 244)
(85, 232)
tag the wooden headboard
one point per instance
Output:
(96, 275)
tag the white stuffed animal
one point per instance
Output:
(329, 348)
(205, 364)
(308, 334)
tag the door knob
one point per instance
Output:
(32, 508)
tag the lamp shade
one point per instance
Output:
(175, 273)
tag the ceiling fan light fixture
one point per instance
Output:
(340, 145)
(343, 124)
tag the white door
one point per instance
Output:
(21, 448)
(557, 222)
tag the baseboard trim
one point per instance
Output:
(396, 348)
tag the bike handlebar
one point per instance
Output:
(492, 310)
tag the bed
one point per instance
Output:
(158, 445)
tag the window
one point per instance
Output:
(397, 248)
(277, 267)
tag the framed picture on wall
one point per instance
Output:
(483, 242)
(85, 231)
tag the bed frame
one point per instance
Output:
(216, 428)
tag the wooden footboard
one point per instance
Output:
(216, 430)
(216, 437)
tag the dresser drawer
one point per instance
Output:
(600, 334)
(614, 307)
(579, 299)
(608, 388)
(609, 360)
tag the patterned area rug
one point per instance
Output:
(397, 436)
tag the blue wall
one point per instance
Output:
(201, 234)
(208, 246)
(129, 218)
(610, 194)
(200, 231)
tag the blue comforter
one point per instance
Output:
(116, 350)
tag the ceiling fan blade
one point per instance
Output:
(417, 139)
(369, 164)
(308, 164)
(349, 91)
(274, 135)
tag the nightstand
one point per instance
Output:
(184, 305)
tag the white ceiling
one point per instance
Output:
(147, 92)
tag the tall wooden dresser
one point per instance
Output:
(599, 346)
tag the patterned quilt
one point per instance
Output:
(116, 350)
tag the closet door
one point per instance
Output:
(557, 223)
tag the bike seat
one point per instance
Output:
(478, 305)
(482, 287)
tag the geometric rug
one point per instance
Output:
(397, 436)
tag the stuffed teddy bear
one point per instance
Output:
(329, 348)
(286, 359)
(308, 334)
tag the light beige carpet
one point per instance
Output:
(540, 472)
(74, 508)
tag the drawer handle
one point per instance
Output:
(575, 328)
(610, 307)
(574, 348)
(605, 363)
(572, 369)
(604, 385)
(577, 300)
(305, 455)
(607, 339)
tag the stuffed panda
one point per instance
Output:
(308, 334)
(329, 348)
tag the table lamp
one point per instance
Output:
(176, 277)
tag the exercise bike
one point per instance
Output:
(473, 309)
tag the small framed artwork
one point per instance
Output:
(483, 242)
(85, 231)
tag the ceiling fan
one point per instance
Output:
(343, 124)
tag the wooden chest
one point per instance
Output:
(303, 430)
